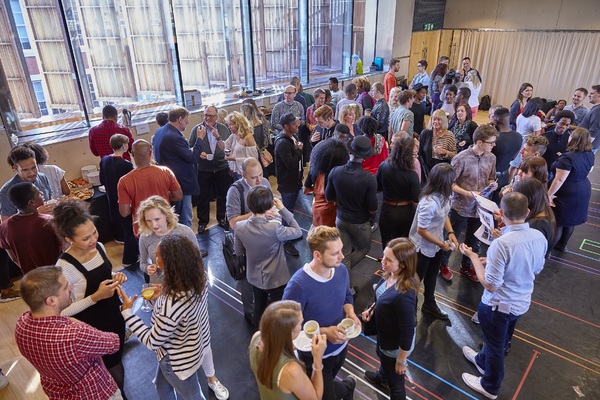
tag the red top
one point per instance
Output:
(99, 138)
(67, 354)
(372, 163)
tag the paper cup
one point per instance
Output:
(311, 328)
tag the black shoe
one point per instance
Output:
(290, 249)
(350, 383)
(203, 253)
(201, 229)
(375, 378)
(224, 224)
(435, 311)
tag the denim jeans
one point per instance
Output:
(332, 389)
(356, 239)
(394, 380)
(289, 201)
(458, 225)
(184, 209)
(498, 329)
(167, 384)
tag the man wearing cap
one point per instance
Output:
(355, 192)
(288, 166)
(418, 107)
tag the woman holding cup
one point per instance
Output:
(395, 315)
(278, 372)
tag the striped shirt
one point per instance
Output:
(448, 142)
(180, 329)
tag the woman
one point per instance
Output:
(157, 219)
(278, 372)
(260, 126)
(368, 126)
(528, 122)
(325, 155)
(541, 216)
(463, 127)
(533, 167)
(474, 84)
(180, 330)
(395, 315)
(55, 174)
(88, 270)
(348, 117)
(400, 185)
(394, 102)
(560, 105)
(437, 82)
(516, 108)
(263, 241)
(570, 191)
(240, 143)
(363, 86)
(437, 143)
(427, 232)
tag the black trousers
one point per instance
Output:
(220, 180)
(332, 389)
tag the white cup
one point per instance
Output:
(209, 157)
(348, 325)
(311, 328)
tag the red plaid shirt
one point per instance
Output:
(67, 354)
(99, 138)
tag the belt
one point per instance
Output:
(397, 203)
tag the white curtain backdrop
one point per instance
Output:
(555, 63)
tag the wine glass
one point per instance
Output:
(147, 294)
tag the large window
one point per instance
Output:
(63, 60)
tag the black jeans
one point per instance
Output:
(458, 225)
(562, 234)
(262, 298)
(394, 380)
(131, 249)
(220, 180)
(332, 389)
(395, 221)
(427, 269)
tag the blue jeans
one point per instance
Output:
(184, 209)
(498, 329)
(167, 384)
(357, 241)
(458, 225)
(289, 201)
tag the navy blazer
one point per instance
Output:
(395, 317)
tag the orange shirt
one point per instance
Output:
(389, 82)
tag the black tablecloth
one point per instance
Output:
(99, 208)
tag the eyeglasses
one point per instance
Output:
(492, 143)
(289, 93)
(210, 115)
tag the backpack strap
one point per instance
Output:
(238, 185)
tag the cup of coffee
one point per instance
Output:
(210, 156)
(348, 325)
(311, 328)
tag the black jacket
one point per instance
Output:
(288, 164)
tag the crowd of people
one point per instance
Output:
(366, 139)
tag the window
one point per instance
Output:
(328, 21)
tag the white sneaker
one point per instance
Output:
(221, 392)
(474, 382)
(3, 380)
(470, 355)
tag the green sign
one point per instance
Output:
(428, 27)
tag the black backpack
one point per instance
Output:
(236, 263)
(485, 103)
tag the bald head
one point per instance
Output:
(142, 152)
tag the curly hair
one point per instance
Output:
(182, 265)
(69, 215)
(19, 153)
(244, 127)
(41, 155)
(362, 83)
(326, 155)
(368, 126)
(160, 204)
(402, 154)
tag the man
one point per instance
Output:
(308, 98)
(144, 181)
(172, 150)
(322, 289)
(350, 95)
(16, 232)
(403, 119)
(534, 146)
(99, 135)
(507, 147)
(67, 353)
(466, 67)
(325, 125)
(462, 96)
(288, 105)
(213, 170)
(354, 191)
(558, 138)
(381, 109)
(288, 167)
(311, 122)
(577, 106)
(422, 76)
(591, 121)
(252, 175)
(444, 60)
(336, 93)
(162, 118)
(22, 161)
(390, 81)
(417, 108)
(507, 275)
(475, 169)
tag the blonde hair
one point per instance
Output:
(441, 115)
(222, 114)
(395, 92)
(160, 204)
(473, 77)
(344, 111)
(250, 113)
(362, 83)
(244, 127)
(319, 236)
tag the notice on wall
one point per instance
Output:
(142, 129)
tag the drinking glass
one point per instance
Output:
(147, 294)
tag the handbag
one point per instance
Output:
(236, 263)
(266, 158)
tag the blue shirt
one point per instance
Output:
(513, 260)
(322, 301)
(7, 208)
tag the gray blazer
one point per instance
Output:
(263, 241)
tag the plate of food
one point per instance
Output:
(82, 193)
(79, 183)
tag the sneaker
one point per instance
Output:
(470, 355)
(221, 391)
(350, 382)
(469, 272)
(474, 382)
(374, 226)
(446, 273)
(375, 378)
(475, 318)
(10, 295)
(3, 380)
